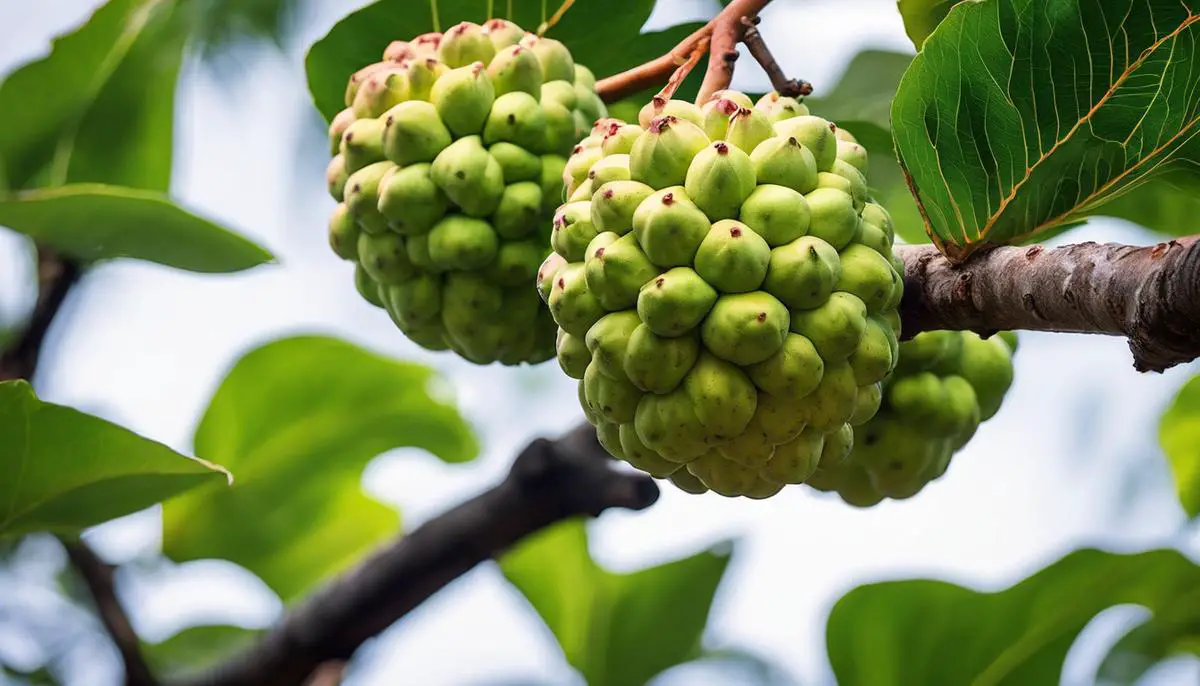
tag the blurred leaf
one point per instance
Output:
(219, 26)
(734, 665)
(196, 648)
(43, 100)
(1179, 435)
(604, 40)
(62, 470)
(921, 17)
(1175, 631)
(1055, 109)
(933, 632)
(616, 629)
(298, 419)
(1168, 203)
(95, 222)
(860, 102)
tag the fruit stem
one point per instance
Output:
(433, 10)
(681, 72)
(548, 24)
(728, 29)
(754, 42)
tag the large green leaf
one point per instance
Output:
(1053, 110)
(861, 102)
(94, 222)
(1179, 435)
(1175, 631)
(935, 633)
(921, 17)
(196, 648)
(604, 40)
(615, 629)
(298, 419)
(43, 99)
(62, 470)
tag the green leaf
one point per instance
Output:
(921, 17)
(298, 419)
(1175, 631)
(62, 470)
(615, 629)
(95, 222)
(1179, 435)
(1054, 110)
(604, 40)
(1168, 203)
(41, 101)
(936, 633)
(196, 648)
(860, 102)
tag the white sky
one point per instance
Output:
(1070, 461)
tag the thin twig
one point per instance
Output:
(681, 72)
(758, 49)
(56, 277)
(554, 19)
(97, 575)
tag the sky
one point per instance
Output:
(1070, 461)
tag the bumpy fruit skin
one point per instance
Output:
(946, 384)
(447, 169)
(725, 314)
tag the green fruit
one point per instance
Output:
(382, 89)
(783, 161)
(460, 242)
(614, 203)
(516, 263)
(832, 402)
(472, 294)
(963, 406)
(366, 286)
(573, 230)
(668, 425)
(868, 275)
(780, 215)
(552, 182)
(572, 354)
(548, 272)
(745, 328)
(814, 133)
(662, 153)
(561, 92)
(675, 302)
(516, 117)
(687, 482)
(620, 139)
(613, 399)
(715, 116)
(857, 183)
(337, 128)
(608, 339)
(987, 366)
(722, 396)
(727, 478)
(557, 63)
(416, 301)
(519, 211)
(422, 74)
(343, 233)
(410, 200)
(873, 358)
(578, 166)
(588, 105)
(659, 107)
(643, 458)
(362, 196)
(469, 176)
(616, 272)
(417, 246)
(779, 107)
(803, 273)
(463, 98)
(747, 128)
(335, 177)
(384, 258)
(573, 306)
(464, 44)
(837, 447)
(739, 98)
(362, 144)
(873, 213)
(670, 227)
(584, 76)
(503, 33)
(853, 154)
(874, 238)
(778, 418)
(866, 404)
(732, 258)
(834, 219)
(657, 364)
(1009, 337)
(835, 328)
(791, 372)
(797, 459)
(608, 169)
(582, 193)
(719, 180)
(559, 134)
(516, 69)
(517, 163)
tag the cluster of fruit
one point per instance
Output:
(447, 166)
(725, 290)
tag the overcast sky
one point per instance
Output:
(1071, 460)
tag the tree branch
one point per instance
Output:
(762, 54)
(1150, 295)
(56, 278)
(98, 576)
(727, 23)
(549, 481)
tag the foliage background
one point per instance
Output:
(1072, 460)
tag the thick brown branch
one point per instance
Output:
(658, 70)
(56, 278)
(549, 481)
(1150, 295)
(762, 54)
(97, 575)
